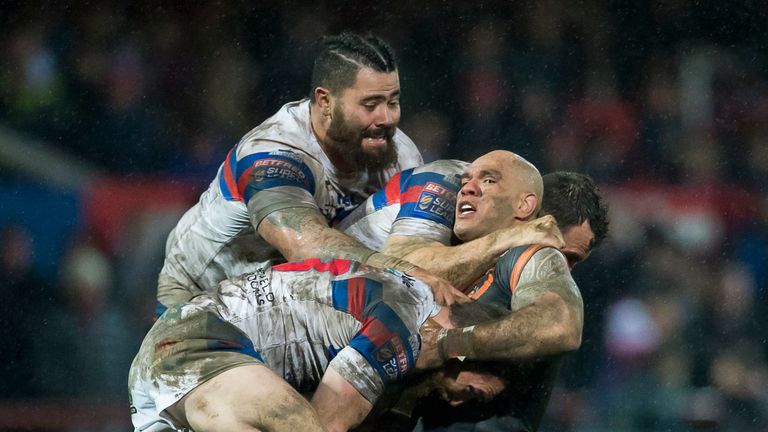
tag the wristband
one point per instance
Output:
(466, 341)
(441, 335)
(459, 346)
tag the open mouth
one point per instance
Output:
(378, 135)
(466, 209)
(376, 141)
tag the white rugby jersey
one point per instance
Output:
(279, 164)
(419, 201)
(297, 319)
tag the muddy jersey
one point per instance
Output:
(277, 165)
(297, 319)
(522, 405)
(498, 285)
(420, 201)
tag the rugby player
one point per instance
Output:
(535, 283)
(532, 278)
(239, 358)
(290, 178)
(413, 216)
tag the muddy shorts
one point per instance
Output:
(186, 347)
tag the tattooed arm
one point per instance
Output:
(301, 232)
(547, 319)
(462, 264)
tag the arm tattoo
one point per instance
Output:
(547, 314)
(301, 233)
(402, 246)
(547, 271)
(295, 219)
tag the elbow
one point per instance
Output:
(565, 338)
(335, 427)
(566, 333)
(299, 251)
(571, 341)
(294, 256)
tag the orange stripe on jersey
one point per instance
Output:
(480, 291)
(514, 277)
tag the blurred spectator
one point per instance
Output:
(484, 100)
(33, 87)
(660, 122)
(200, 159)
(127, 137)
(85, 344)
(22, 291)
(430, 131)
(599, 135)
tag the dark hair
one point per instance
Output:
(343, 55)
(471, 313)
(573, 198)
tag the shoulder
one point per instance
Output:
(288, 129)
(545, 262)
(516, 257)
(442, 175)
(276, 158)
(408, 155)
(445, 171)
(443, 166)
(546, 273)
(530, 263)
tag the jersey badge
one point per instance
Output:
(436, 202)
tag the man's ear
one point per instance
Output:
(527, 206)
(323, 100)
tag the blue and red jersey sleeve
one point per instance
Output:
(384, 340)
(422, 195)
(240, 179)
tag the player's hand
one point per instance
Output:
(543, 230)
(429, 357)
(445, 294)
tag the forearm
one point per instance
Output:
(547, 317)
(545, 328)
(339, 406)
(301, 233)
(461, 264)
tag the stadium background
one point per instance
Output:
(114, 116)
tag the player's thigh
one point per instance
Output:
(249, 397)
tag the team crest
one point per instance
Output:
(425, 200)
(384, 354)
(436, 202)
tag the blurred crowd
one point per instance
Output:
(665, 104)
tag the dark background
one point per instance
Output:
(114, 116)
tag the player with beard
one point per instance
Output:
(287, 181)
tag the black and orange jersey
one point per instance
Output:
(498, 285)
